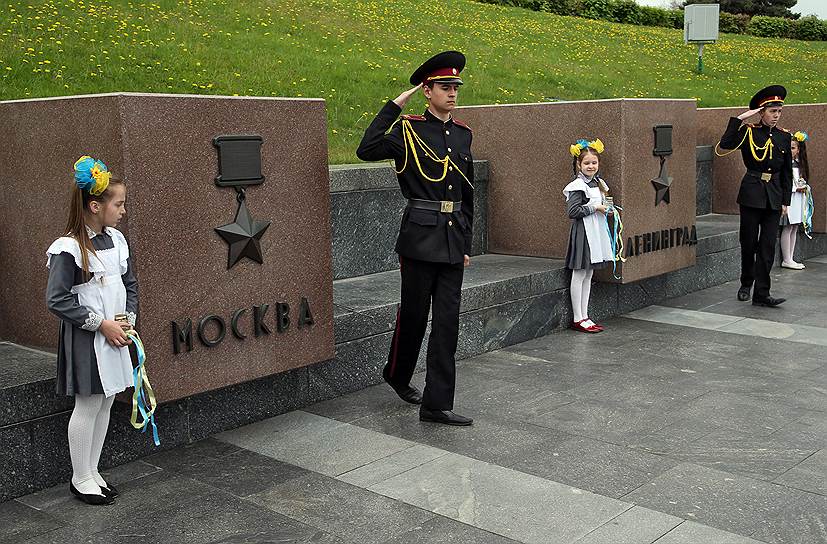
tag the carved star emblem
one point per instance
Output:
(662, 183)
(243, 236)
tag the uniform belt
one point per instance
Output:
(444, 206)
(765, 176)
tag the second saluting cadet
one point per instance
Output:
(765, 191)
(432, 154)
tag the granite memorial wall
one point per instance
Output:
(527, 147)
(210, 315)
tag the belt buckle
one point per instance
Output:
(446, 206)
(766, 176)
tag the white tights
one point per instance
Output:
(788, 235)
(581, 286)
(87, 431)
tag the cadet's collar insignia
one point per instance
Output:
(461, 124)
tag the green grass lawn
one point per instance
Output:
(358, 53)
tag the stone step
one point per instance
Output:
(366, 305)
(27, 384)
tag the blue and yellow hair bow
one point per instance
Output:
(801, 136)
(576, 148)
(91, 175)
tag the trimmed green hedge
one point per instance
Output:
(629, 12)
(769, 27)
(733, 24)
(809, 28)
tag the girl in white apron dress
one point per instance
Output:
(90, 281)
(589, 245)
(798, 202)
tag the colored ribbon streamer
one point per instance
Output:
(412, 141)
(143, 398)
(616, 239)
(808, 211)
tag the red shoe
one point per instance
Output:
(579, 326)
(599, 328)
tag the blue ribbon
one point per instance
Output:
(139, 399)
(809, 209)
(614, 231)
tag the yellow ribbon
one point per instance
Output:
(143, 392)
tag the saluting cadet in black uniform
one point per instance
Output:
(765, 189)
(432, 154)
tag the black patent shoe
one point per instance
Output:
(96, 500)
(743, 294)
(405, 392)
(769, 302)
(110, 491)
(446, 417)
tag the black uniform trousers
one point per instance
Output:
(759, 229)
(422, 283)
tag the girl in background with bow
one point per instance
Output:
(589, 242)
(800, 209)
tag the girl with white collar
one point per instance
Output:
(91, 280)
(589, 242)
(797, 212)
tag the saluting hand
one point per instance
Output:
(749, 113)
(402, 99)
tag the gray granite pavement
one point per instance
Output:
(699, 421)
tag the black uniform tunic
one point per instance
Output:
(430, 244)
(755, 192)
(77, 367)
(760, 200)
(427, 235)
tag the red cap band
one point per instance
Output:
(771, 99)
(443, 73)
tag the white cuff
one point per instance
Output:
(93, 322)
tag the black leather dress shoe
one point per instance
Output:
(97, 500)
(769, 302)
(743, 294)
(446, 417)
(405, 392)
(110, 491)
